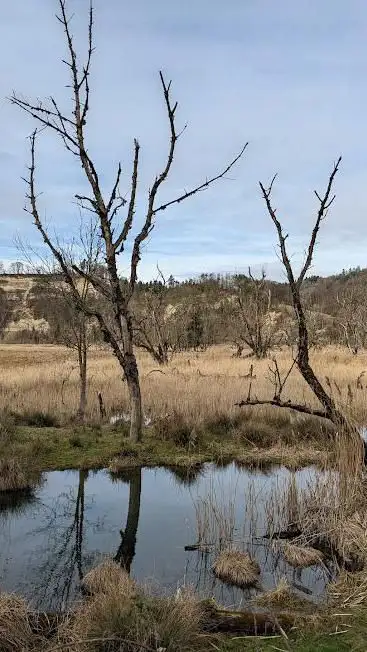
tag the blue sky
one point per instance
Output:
(289, 77)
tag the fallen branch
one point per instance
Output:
(298, 407)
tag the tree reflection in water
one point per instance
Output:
(126, 550)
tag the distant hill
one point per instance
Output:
(35, 313)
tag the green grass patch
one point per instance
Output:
(51, 448)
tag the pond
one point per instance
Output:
(144, 519)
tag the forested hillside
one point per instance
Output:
(170, 315)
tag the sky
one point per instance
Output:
(289, 78)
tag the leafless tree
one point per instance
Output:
(152, 325)
(254, 324)
(72, 327)
(5, 311)
(328, 409)
(352, 316)
(71, 128)
(17, 267)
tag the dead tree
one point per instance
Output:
(328, 409)
(254, 325)
(115, 228)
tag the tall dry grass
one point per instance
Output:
(329, 512)
(118, 615)
(198, 386)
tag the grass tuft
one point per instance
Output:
(236, 568)
(300, 556)
(14, 477)
(117, 616)
(282, 597)
(16, 634)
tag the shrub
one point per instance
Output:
(173, 427)
(36, 418)
(75, 441)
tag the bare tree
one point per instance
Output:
(75, 332)
(254, 324)
(17, 267)
(5, 311)
(71, 128)
(352, 316)
(71, 327)
(152, 325)
(329, 409)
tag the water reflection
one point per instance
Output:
(126, 550)
(143, 519)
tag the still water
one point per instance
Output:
(144, 519)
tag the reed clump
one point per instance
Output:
(118, 616)
(301, 556)
(16, 634)
(281, 597)
(236, 568)
(109, 577)
(15, 477)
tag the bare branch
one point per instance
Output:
(114, 190)
(298, 407)
(119, 244)
(202, 186)
(325, 203)
(266, 192)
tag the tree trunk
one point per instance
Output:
(82, 360)
(303, 364)
(133, 383)
(131, 372)
(126, 551)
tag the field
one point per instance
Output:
(198, 386)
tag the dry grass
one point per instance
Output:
(216, 518)
(120, 617)
(330, 511)
(109, 577)
(198, 386)
(236, 568)
(282, 597)
(14, 477)
(16, 634)
(300, 556)
(349, 590)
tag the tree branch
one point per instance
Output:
(119, 244)
(297, 407)
(203, 185)
(325, 203)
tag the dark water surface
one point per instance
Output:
(144, 520)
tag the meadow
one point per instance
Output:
(199, 386)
